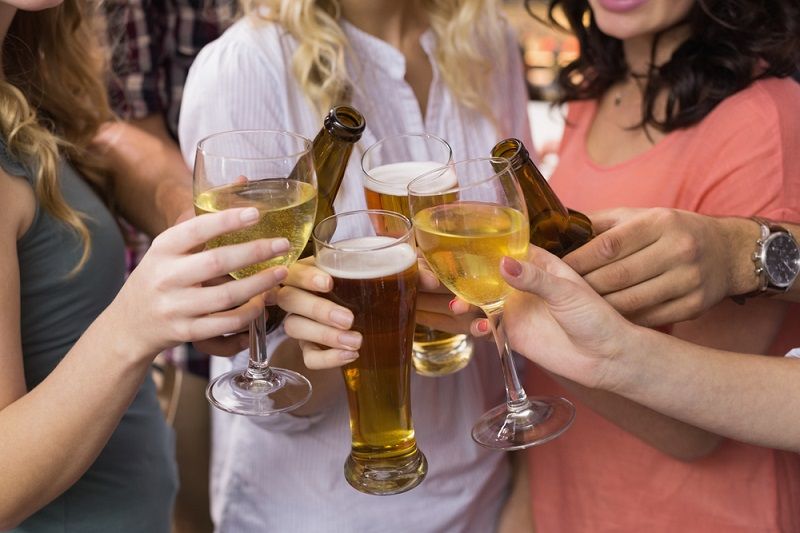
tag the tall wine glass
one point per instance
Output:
(389, 166)
(463, 233)
(272, 171)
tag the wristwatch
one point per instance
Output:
(776, 258)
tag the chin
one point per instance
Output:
(33, 5)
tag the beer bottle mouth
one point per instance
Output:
(345, 122)
(511, 149)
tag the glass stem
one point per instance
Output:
(516, 399)
(258, 365)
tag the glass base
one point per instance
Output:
(383, 477)
(545, 419)
(436, 353)
(235, 392)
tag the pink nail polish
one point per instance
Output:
(483, 326)
(452, 304)
(512, 267)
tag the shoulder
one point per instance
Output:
(251, 47)
(758, 107)
(19, 203)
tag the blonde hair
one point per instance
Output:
(52, 102)
(467, 31)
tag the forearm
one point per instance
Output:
(54, 433)
(152, 185)
(657, 428)
(745, 397)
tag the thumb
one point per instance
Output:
(536, 280)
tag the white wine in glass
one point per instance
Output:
(272, 171)
(463, 233)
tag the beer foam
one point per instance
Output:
(357, 258)
(393, 179)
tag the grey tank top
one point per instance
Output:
(132, 484)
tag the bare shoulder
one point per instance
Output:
(19, 205)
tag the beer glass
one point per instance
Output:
(463, 233)
(274, 172)
(389, 166)
(373, 261)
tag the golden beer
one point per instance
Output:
(464, 242)
(435, 353)
(287, 209)
(376, 278)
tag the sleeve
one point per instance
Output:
(136, 35)
(794, 354)
(748, 166)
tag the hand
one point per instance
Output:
(321, 327)
(557, 321)
(439, 309)
(164, 302)
(656, 266)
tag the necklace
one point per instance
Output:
(618, 93)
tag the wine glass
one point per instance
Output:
(389, 166)
(463, 233)
(272, 171)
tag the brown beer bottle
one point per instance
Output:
(552, 226)
(331, 149)
(341, 129)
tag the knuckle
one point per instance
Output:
(688, 248)
(694, 277)
(212, 263)
(609, 246)
(621, 276)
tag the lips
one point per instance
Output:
(620, 6)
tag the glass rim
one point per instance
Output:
(500, 160)
(306, 142)
(395, 240)
(401, 136)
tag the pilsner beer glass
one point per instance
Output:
(272, 171)
(463, 233)
(373, 261)
(389, 166)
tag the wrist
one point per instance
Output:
(626, 369)
(739, 237)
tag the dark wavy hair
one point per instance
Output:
(732, 43)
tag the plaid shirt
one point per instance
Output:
(154, 43)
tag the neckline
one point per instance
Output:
(362, 41)
(631, 161)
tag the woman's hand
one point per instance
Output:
(321, 327)
(439, 309)
(164, 302)
(657, 266)
(555, 319)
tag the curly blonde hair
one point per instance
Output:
(469, 34)
(52, 101)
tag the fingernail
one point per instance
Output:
(280, 245)
(512, 267)
(321, 282)
(350, 339)
(483, 325)
(342, 318)
(452, 303)
(249, 215)
(347, 356)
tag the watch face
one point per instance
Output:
(782, 260)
